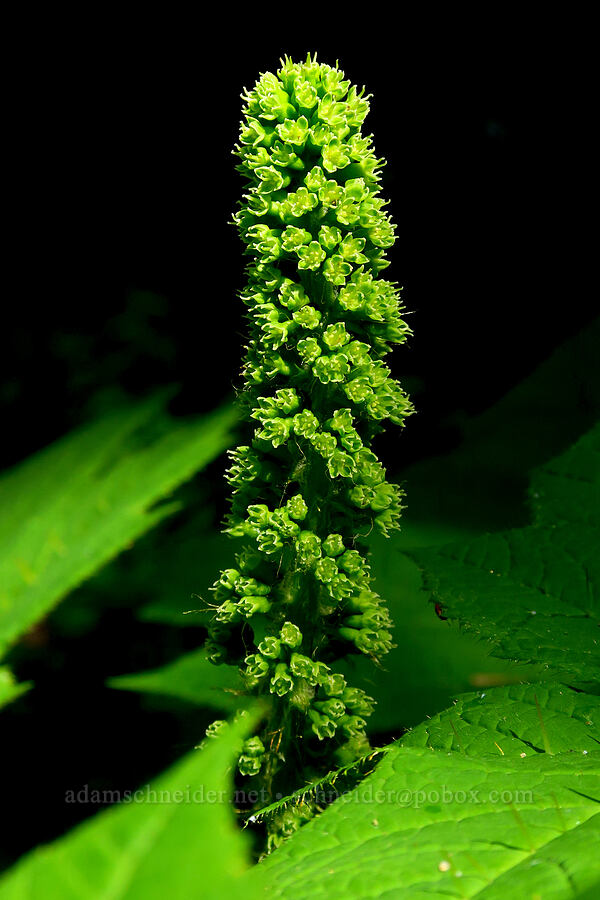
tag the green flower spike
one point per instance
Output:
(307, 487)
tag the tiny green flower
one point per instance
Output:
(302, 201)
(303, 667)
(271, 179)
(333, 685)
(306, 423)
(306, 95)
(331, 368)
(308, 547)
(329, 237)
(297, 507)
(348, 212)
(277, 431)
(269, 542)
(326, 569)
(270, 647)
(351, 726)
(253, 747)
(333, 708)
(293, 238)
(352, 562)
(351, 248)
(229, 578)
(324, 444)
(356, 189)
(249, 765)
(309, 349)
(283, 155)
(294, 132)
(281, 682)
(292, 296)
(320, 135)
(256, 666)
(251, 605)
(331, 111)
(334, 83)
(341, 464)
(307, 317)
(351, 297)
(291, 635)
(322, 726)
(336, 269)
(311, 257)
(335, 336)
(315, 179)
(358, 389)
(333, 544)
(358, 702)
(330, 193)
(216, 727)
(334, 156)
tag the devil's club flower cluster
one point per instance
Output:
(309, 488)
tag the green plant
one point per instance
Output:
(501, 792)
(498, 794)
(84, 499)
(308, 488)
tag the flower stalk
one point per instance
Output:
(307, 487)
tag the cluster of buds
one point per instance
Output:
(307, 487)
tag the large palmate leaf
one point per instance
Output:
(534, 592)
(178, 842)
(192, 677)
(516, 720)
(74, 506)
(429, 824)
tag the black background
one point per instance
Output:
(124, 272)
(125, 181)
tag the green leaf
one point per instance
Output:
(185, 846)
(567, 489)
(430, 824)
(500, 794)
(562, 868)
(482, 484)
(432, 662)
(9, 689)
(517, 720)
(192, 677)
(165, 577)
(71, 508)
(533, 593)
